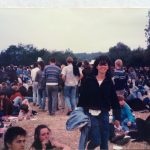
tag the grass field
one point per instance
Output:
(71, 138)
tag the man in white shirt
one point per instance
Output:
(35, 84)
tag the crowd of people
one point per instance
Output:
(102, 90)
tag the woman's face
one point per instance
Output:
(45, 135)
(102, 68)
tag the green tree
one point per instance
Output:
(19, 55)
(120, 51)
(137, 57)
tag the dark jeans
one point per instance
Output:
(52, 93)
(99, 131)
(42, 98)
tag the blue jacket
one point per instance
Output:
(126, 113)
(77, 119)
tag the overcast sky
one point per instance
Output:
(80, 29)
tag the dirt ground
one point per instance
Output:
(71, 138)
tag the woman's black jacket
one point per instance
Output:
(103, 97)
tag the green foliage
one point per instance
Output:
(27, 55)
(147, 57)
(137, 57)
(19, 55)
(120, 51)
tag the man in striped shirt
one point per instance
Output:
(52, 74)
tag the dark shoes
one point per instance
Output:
(120, 139)
(117, 137)
(51, 114)
(123, 141)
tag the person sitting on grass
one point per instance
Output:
(24, 112)
(127, 118)
(43, 140)
(15, 138)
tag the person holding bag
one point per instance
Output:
(97, 97)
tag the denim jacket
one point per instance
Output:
(77, 119)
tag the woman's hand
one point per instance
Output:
(129, 123)
(117, 123)
(44, 144)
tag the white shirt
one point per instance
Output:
(70, 78)
(34, 72)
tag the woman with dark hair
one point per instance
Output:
(43, 140)
(97, 97)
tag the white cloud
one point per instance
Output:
(78, 29)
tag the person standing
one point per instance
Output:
(41, 86)
(120, 78)
(35, 84)
(71, 76)
(97, 97)
(51, 74)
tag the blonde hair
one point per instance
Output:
(118, 63)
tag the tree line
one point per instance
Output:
(27, 54)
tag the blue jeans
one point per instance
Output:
(70, 96)
(52, 93)
(42, 98)
(98, 133)
(35, 93)
(16, 105)
(17, 101)
(125, 126)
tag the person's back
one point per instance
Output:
(70, 78)
(41, 85)
(39, 79)
(51, 73)
(34, 71)
(120, 78)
